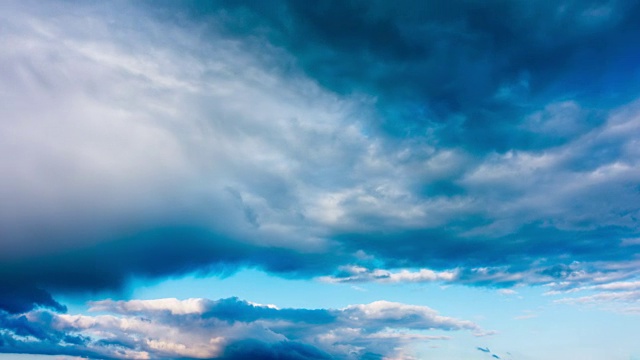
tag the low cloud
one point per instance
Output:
(226, 329)
(17, 299)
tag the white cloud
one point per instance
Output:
(201, 328)
(172, 305)
(507, 292)
(355, 273)
(401, 315)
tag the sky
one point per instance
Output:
(281, 180)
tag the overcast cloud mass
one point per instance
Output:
(482, 144)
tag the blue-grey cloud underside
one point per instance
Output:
(144, 140)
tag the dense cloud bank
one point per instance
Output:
(225, 329)
(410, 143)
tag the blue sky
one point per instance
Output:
(342, 180)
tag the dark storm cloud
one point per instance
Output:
(156, 253)
(483, 77)
(475, 68)
(95, 194)
(19, 297)
(402, 142)
(445, 249)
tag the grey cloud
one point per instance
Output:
(142, 146)
(137, 150)
(537, 204)
(18, 299)
(487, 64)
(286, 350)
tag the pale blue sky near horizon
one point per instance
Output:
(521, 320)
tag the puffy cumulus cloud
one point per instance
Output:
(226, 329)
(150, 142)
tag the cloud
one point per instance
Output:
(484, 63)
(18, 299)
(355, 273)
(604, 297)
(149, 144)
(151, 152)
(619, 296)
(527, 315)
(488, 352)
(226, 328)
(252, 349)
(559, 278)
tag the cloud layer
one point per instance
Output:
(147, 144)
(226, 328)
